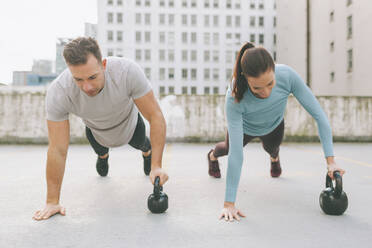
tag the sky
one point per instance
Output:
(29, 30)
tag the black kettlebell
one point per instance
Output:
(333, 200)
(158, 201)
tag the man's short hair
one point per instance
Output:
(76, 51)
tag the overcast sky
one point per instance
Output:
(29, 29)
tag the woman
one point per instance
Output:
(255, 106)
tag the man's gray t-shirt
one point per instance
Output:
(111, 114)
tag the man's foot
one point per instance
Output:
(276, 170)
(102, 166)
(213, 166)
(147, 164)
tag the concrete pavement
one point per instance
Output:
(112, 211)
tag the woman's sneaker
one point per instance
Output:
(102, 166)
(275, 170)
(213, 167)
(147, 164)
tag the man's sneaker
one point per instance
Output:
(276, 170)
(213, 167)
(102, 166)
(147, 164)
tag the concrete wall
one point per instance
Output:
(189, 118)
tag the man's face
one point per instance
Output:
(89, 77)
(262, 86)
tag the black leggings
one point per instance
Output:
(270, 142)
(139, 140)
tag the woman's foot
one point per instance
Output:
(213, 166)
(275, 170)
(102, 166)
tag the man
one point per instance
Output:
(107, 95)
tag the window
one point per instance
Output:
(274, 56)
(119, 17)
(193, 55)
(228, 36)
(138, 36)
(349, 27)
(119, 36)
(207, 38)
(138, 18)
(138, 2)
(147, 3)
(120, 2)
(215, 3)
(228, 4)
(237, 4)
(138, 54)
(216, 90)
(207, 74)
(147, 37)
(332, 77)
(349, 2)
(184, 73)
(162, 19)
(193, 74)
(274, 39)
(170, 73)
(331, 16)
(332, 46)
(110, 35)
(184, 55)
(148, 73)
(147, 54)
(162, 90)
(110, 2)
(274, 22)
(161, 3)
(193, 90)
(206, 3)
(119, 52)
(184, 3)
(110, 17)
(162, 73)
(350, 60)
(193, 3)
(216, 38)
(110, 52)
(228, 74)
(206, 90)
(161, 54)
(171, 19)
(252, 21)
(237, 36)
(207, 56)
(171, 3)
(161, 37)
(228, 21)
(229, 56)
(261, 39)
(193, 20)
(184, 90)
(171, 55)
(252, 38)
(184, 37)
(215, 74)
(261, 6)
(252, 5)
(184, 20)
(206, 21)
(237, 21)
(193, 37)
(215, 56)
(215, 20)
(147, 19)
(170, 38)
(261, 21)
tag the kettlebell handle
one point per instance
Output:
(157, 187)
(338, 179)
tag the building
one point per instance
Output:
(42, 67)
(37, 79)
(328, 44)
(90, 30)
(20, 77)
(60, 61)
(185, 46)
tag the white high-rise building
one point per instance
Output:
(185, 46)
(90, 30)
(328, 43)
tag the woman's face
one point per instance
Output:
(262, 86)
